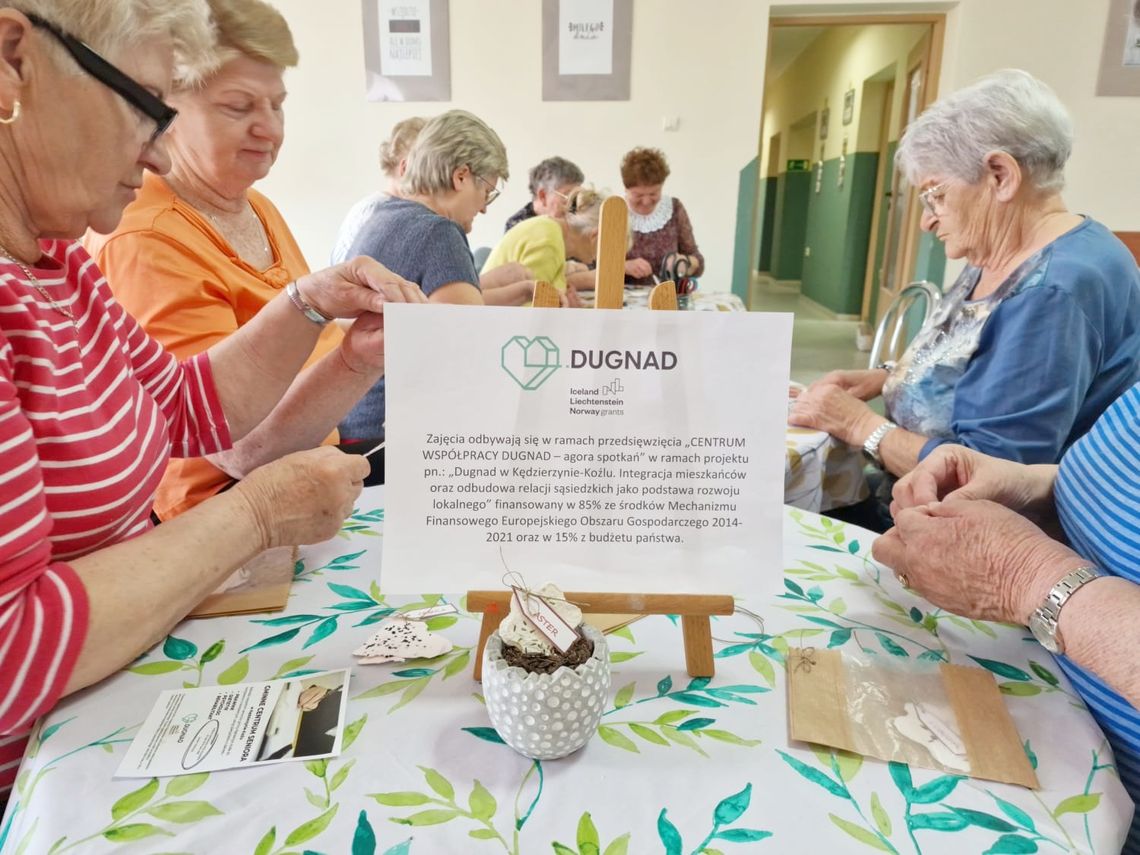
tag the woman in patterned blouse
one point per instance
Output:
(659, 224)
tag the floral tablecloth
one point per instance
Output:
(820, 472)
(680, 765)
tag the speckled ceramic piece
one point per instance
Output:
(546, 716)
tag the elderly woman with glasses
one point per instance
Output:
(1041, 331)
(91, 408)
(200, 252)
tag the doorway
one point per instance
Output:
(837, 220)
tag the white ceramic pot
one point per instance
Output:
(546, 716)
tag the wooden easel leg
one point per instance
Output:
(697, 632)
(490, 623)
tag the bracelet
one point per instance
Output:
(314, 315)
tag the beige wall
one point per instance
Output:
(840, 59)
(706, 68)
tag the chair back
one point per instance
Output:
(613, 237)
(545, 296)
(894, 332)
(480, 256)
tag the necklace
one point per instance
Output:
(59, 307)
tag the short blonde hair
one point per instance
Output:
(396, 147)
(449, 141)
(584, 209)
(111, 28)
(255, 29)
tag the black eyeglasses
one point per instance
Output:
(146, 102)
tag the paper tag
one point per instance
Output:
(546, 620)
(424, 614)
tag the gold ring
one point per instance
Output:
(903, 580)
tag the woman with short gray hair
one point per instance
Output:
(1041, 331)
(551, 183)
(453, 174)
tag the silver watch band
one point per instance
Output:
(314, 315)
(1043, 622)
(871, 446)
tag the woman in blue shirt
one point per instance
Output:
(964, 539)
(1040, 333)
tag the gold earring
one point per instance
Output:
(15, 114)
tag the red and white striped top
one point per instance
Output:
(88, 419)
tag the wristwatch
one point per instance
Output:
(871, 446)
(313, 314)
(888, 365)
(1043, 621)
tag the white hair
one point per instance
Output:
(1010, 111)
(446, 143)
(114, 27)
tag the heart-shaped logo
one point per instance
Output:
(530, 361)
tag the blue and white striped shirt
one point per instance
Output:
(1097, 495)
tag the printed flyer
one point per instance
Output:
(247, 724)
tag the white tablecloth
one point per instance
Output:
(679, 766)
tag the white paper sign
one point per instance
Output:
(405, 38)
(247, 724)
(600, 450)
(585, 36)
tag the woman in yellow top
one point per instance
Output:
(542, 244)
(199, 252)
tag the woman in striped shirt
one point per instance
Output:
(983, 537)
(90, 407)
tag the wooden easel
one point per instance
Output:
(694, 609)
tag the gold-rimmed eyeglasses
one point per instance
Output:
(933, 197)
(492, 191)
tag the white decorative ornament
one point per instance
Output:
(654, 221)
(398, 640)
(515, 629)
(923, 725)
(546, 716)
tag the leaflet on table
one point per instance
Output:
(247, 724)
(609, 450)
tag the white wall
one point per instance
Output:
(702, 63)
(704, 71)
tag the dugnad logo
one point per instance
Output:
(530, 361)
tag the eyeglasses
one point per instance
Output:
(146, 102)
(492, 191)
(933, 197)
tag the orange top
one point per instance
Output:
(170, 268)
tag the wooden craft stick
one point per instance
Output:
(663, 296)
(613, 240)
(545, 296)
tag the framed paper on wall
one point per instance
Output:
(1120, 55)
(407, 50)
(586, 47)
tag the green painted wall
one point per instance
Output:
(793, 197)
(745, 228)
(838, 232)
(767, 206)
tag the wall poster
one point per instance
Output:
(586, 48)
(407, 50)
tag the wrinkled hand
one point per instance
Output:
(357, 286)
(362, 347)
(638, 268)
(975, 558)
(864, 385)
(573, 266)
(825, 407)
(303, 497)
(957, 472)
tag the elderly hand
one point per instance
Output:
(957, 472)
(573, 266)
(826, 407)
(638, 268)
(362, 347)
(974, 558)
(357, 286)
(864, 385)
(573, 300)
(303, 497)
(506, 274)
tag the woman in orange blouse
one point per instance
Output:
(199, 253)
